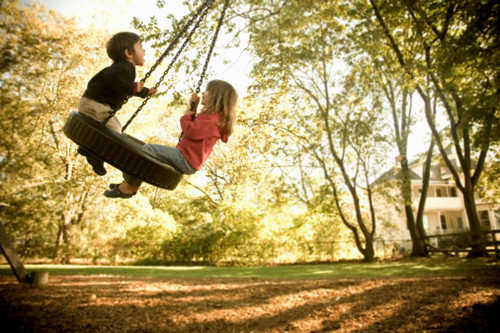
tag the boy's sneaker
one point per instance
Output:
(97, 166)
(82, 151)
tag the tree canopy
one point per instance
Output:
(336, 89)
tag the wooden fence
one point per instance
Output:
(455, 243)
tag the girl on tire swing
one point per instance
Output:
(200, 133)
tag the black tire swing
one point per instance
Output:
(123, 151)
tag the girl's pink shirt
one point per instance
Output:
(199, 137)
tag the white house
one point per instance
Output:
(444, 211)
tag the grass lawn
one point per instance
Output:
(403, 268)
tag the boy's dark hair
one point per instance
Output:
(120, 42)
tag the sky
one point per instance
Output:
(117, 15)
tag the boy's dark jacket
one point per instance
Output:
(114, 84)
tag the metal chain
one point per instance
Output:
(209, 54)
(214, 39)
(174, 59)
(202, 9)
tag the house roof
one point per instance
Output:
(394, 173)
(438, 172)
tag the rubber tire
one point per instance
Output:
(122, 151)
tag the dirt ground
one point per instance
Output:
(122, 304)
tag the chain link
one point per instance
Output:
(201, 10)
(214, 39)
(174, 59)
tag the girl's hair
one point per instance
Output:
(120, 42)
(222, 98)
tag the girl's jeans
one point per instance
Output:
(169, 155)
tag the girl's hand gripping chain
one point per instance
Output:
(193, 104)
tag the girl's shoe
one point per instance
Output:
(116, 193)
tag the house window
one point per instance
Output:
(484, 220)
(460, 223)
(438, 193)
(454, 192)
(443, 222)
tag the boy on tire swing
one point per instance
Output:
(112, 86)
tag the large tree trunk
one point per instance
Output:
(67, 247)
(62, 248)
(365, 247)
(477, 244)
(423, 197)
(369, 253)
(418, 244)
(58, 241)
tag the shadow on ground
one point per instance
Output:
(124, 304)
